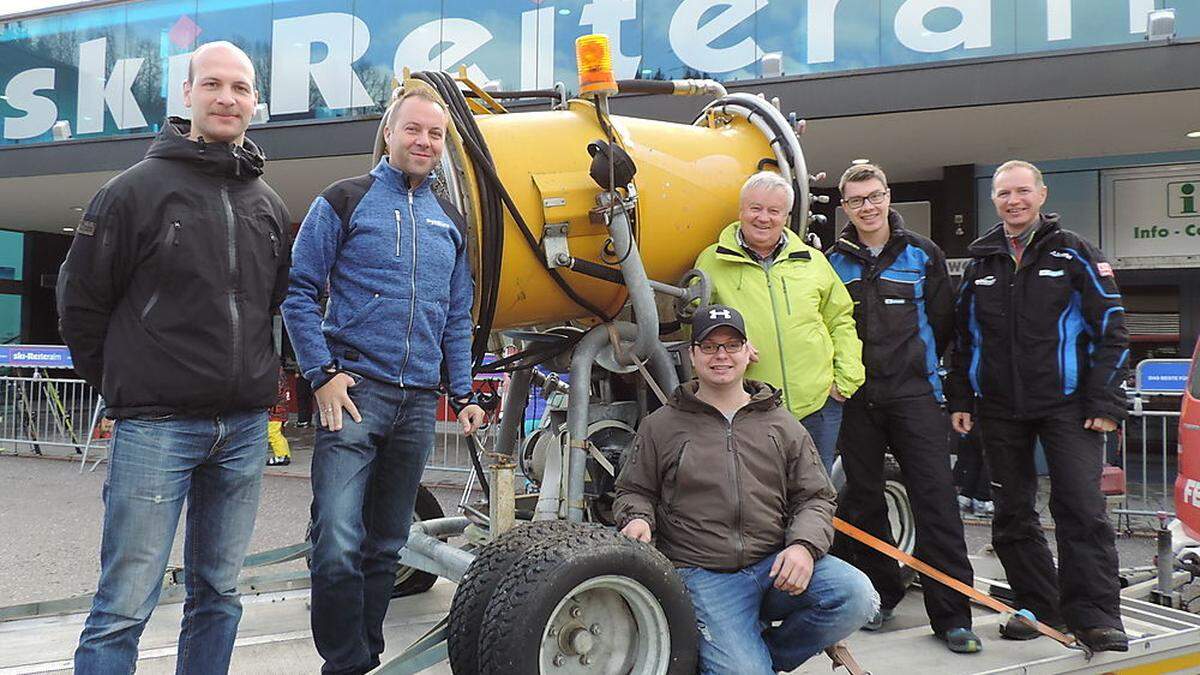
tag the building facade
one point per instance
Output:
(939, 92)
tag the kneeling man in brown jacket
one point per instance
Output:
(732, 490)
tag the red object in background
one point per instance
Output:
(1112, 481)
(1187, 484)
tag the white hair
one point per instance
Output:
(768, 180)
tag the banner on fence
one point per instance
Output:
(35, 356)
(1166, 376)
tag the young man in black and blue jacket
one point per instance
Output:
(903, 307)
(1041, 353)
(394, 258)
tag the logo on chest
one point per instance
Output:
(989, 280)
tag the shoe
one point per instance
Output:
(962, 641)
(1103, 639)
(279, 461)
(1016, 629)
(881, 617)
(983, 508)
(303, 424)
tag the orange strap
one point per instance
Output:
(941, 577)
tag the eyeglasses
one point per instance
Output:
(875, 197)
(731, 347)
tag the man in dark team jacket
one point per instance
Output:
(903, 310)
(165, 300)
(1042, 351)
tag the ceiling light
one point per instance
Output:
(1194, 134)
(860, 160)
(68, 229)
(77, 208)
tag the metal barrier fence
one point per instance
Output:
(37, 412)
(1152, 436)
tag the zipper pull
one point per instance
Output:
(397, 212)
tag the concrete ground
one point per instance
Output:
(50, 517)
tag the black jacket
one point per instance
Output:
(903, 310)
(167, 294)
(1047, 335)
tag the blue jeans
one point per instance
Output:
(216, 464)
(823, 426)
(732, 608)
(364, 480)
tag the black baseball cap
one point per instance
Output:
(711, 317)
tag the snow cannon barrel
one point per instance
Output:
(501, 166)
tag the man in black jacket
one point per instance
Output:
(903, 310)
(165, 300)
(1042, 351)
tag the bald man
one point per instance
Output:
(165, 300)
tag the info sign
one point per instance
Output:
(1152, 216)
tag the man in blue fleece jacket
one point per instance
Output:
(394, 257)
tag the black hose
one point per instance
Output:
(492, 195)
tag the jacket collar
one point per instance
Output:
(762, 397)
(728, 247)
(850, 244)
(240, 162)
(993, 242)
(386, 172)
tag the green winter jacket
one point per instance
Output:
(798, 315)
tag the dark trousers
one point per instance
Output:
(1086, 594)
(970, 471)
(915, 432)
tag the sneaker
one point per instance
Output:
(881, 617)
(1016, 629)
(1104, 639)
(962, 641)
(983, 508)
(279, 461)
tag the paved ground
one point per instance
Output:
(50, 518)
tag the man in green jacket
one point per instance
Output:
(799, 316)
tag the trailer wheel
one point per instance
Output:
(590, 602)
(480, 581)
(408, 580)
(900, 513)
(411, 581)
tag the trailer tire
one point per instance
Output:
(408, 580)
(900, 513)
(411, 581)
(478, 584)
(592, 598)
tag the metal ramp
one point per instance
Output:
(274, 637)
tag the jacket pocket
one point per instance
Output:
(356, 317)
(673, 478)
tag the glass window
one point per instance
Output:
(12, 255)
(10, 319)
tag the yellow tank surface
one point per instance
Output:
(688, 180)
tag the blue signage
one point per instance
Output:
(35, 356)
(119, 68)
(1164, 376)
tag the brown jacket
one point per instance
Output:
(721, 495)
